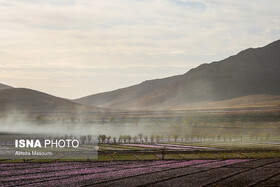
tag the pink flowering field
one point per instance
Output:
(90, 173)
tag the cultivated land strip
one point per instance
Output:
(39, 177)
(234, 172)
(218, 176)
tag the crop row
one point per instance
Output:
(95, 174)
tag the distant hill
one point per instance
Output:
(251, 101)
(21, 100)
(3, 86)
(121, 97)
(250, 72)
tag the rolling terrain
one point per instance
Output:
(3, 86)
(21, 100)
(251, 73)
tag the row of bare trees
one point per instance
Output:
(172, 138)
(176, 138)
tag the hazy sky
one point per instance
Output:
(73, 48)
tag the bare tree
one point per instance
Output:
(187, 138)
(140, 137)
(83, 139)
(135, 139)
(129, 138)
(157, 138)
(219, 137)
(168, 137)
(115, 140)
(125, 138)
(175, 136)
(120, 138)
(108, 139)
(146, 139)
(152, 139)
(99, 138)
(71, 136)
(161, 138)
(89, 137)
(103, 138)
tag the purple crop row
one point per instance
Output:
(68, 166)
(222, 163)
(40, 168)
(185, 146)
(30, 164)
(182, 164)
(101, 177)
(96, 174)
(43, 169)
(36, 182)
(73, 172)
(96, 178)
(152, 146)
(23, 166)
(54, 174)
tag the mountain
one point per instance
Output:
(27, 101)
(3, 86)
(131, 94)
(250, 72)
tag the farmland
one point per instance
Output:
(160, 149)
(143, 173)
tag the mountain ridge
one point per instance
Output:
(4, 86)
(23, 100)
(250, 72)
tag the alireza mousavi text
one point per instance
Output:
(36, 143)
